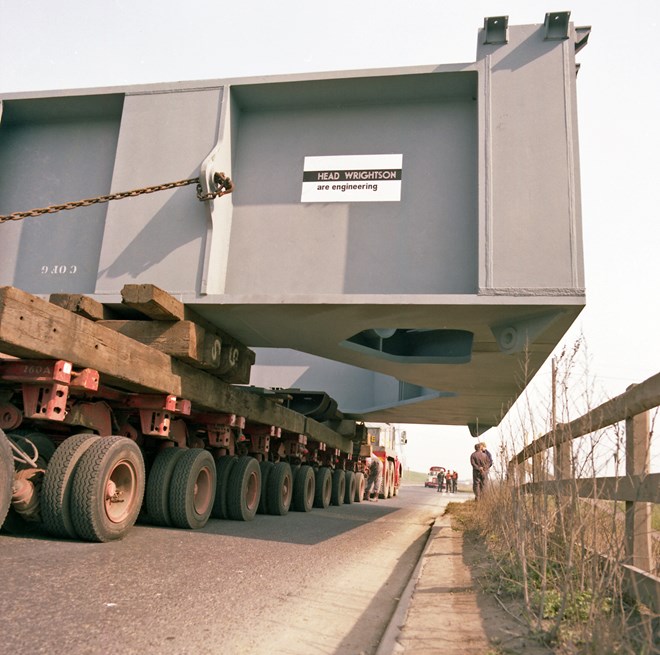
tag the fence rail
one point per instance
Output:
(639, 488)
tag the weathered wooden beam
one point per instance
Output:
(343, 426)
(638, 514)
(184, 340)
(152, 302)
(83, 305)
(640, 398)
(235, 364)
(638, 488)
(320, 432)
(236, 359)
(34, 328)
(642, 586)
(638, 585)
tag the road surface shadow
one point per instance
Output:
(320, 524)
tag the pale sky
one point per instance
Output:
(96, 43)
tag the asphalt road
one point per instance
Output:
(326, 581)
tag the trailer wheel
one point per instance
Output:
(224, 465)
(157, 494)
(323, 490)
(359, 487)
(192, 489)
(6, 476)
(244, 489)
(108, 489)
(266, 467)
(385, 482)
(55, 499)
(280, 487)
(304, 487)
(338, 487)
(349, 494)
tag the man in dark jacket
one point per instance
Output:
(440, 479)
(480, 466)
(485, 449)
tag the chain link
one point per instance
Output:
(222, 185)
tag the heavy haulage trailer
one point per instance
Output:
(406, 243)
(149, 416)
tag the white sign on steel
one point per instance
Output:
(352, 178)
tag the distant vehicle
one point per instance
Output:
(432, 477)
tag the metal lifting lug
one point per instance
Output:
(220, 186)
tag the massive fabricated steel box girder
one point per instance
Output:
(435, 304)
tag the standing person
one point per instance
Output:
(454, 481)
(448, 482)
(440, 479)
(485, 449)
(374, 477)
(480, 465)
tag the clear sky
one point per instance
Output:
(91, 43)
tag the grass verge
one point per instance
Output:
(539, 565)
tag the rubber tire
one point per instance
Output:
(224, 466)
(157, 493)
(266, 467)
(191, 503)
(323, 487)
(304, 488)
(338, 487)
(349, 492)
(280, 489)
(95, 468)
(55, 498)
(244, 489)
(385, 482)
(360, 484)
(6, 476)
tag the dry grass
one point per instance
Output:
(558, 558)
(542, 564)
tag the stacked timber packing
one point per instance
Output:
(103, 412)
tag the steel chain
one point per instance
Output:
(221, 183)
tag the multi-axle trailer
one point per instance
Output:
(150, 417)
(406, 243)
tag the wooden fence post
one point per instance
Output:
(562, 451)
(563, 461)
(638, 515)
(539, 467)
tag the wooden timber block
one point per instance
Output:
(235, 364)
(236, 360)
(184, 340)
(34, 328)
(152, 302)
(31, 327)
(83, 305)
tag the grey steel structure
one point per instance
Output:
(422, 308)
